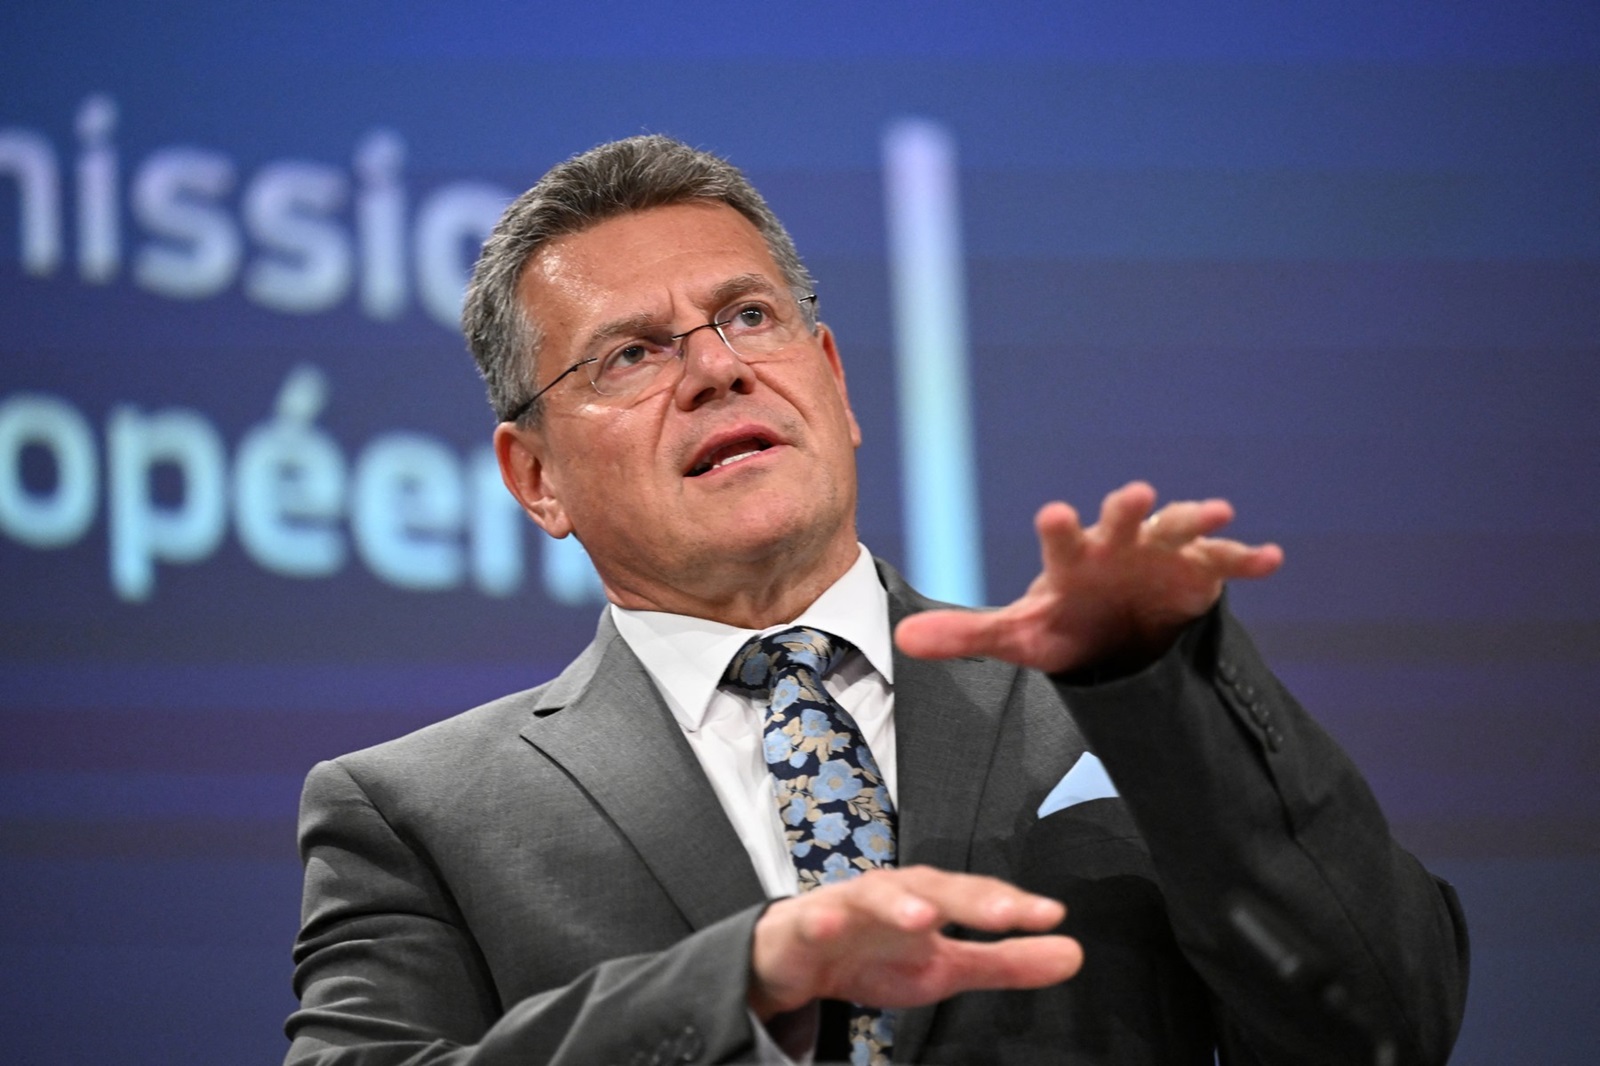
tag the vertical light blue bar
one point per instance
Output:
(939, 478)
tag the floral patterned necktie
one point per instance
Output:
(836, 811)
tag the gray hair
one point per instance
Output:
(602, 183)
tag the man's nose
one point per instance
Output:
(710, 368)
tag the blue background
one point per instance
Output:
(1338, 263)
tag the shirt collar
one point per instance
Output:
(687, 656)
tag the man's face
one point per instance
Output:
(630, 478)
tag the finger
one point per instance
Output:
(1010, 633)
(976, 901)
(963, 966)
(847, 911)
(1231, 559)
(1124, 509)
(1017, 962)
(1178, 523)
(947, 634)
(956, 966)
(911, 903)
(1060, 537)
(800, 939)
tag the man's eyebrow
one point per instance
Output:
(635, 325)
(644, 324)
(737, 286)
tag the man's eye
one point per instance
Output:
(749, 317)
(630, 359)
(632, 355)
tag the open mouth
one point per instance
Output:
(730, 453)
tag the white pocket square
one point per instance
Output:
(1087, 780)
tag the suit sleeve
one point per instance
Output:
(1243, 799)
(388, 974)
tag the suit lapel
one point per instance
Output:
(947, 716)
(604, 723)
(946, 720)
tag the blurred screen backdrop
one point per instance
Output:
(1337, 263)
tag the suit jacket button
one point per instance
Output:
(1274, 738)
(1227, 670)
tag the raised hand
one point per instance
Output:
(1116, 593)
(879, 940)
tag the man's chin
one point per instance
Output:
(755, 544)
(775, 543)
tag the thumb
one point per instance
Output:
(947, 634)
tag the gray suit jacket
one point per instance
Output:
(550, 878)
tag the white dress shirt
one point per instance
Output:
(686, 658)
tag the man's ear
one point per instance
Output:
(521, 454)
(830, 348)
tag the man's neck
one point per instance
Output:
(752, 597)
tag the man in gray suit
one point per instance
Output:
(623, 866)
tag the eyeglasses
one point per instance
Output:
(753, 328)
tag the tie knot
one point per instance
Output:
(792, 651)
